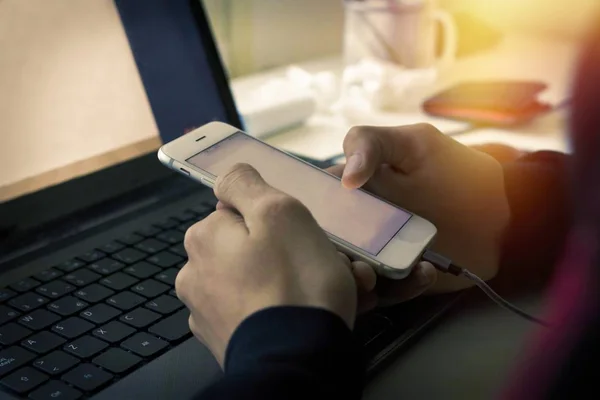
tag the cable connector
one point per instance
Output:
(445, 265)
(442, 263)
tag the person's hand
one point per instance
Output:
(374, 291)
(499, 151)
(459, 189)
(259, 249)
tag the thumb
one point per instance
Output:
(367, 147)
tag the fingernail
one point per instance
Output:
(353, 165)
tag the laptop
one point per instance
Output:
(88, 260)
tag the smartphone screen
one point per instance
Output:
(353, 216)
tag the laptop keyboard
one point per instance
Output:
(79, 326)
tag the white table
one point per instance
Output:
(516, 57)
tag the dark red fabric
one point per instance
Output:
(570, 307)
(573, 305)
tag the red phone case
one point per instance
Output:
(492, 103)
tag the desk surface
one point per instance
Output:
(467, 356)
(516, 57)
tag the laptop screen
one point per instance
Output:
(88, 85)
(73, 100)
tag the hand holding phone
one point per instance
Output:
(361, 225)
(236, 257)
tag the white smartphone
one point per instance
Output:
(361, 225)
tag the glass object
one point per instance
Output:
(390, 54)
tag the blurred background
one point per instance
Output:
(249, 32)
(71, 98)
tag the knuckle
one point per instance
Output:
(426, 127)
(198, 235)
(190, 239)
(280, 206)
(426, 131)
(356, 132)
(180, 279)
(237, 173)
(193, 327)
(191, 323)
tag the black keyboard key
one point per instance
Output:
(12, 333)
(129, 256)
(72, 327)
(179, 250)
(111, 247)
(55, 390)
(150, 288)
(55, 363)
(6, 294)
(203, 209)
(42, 342)
(71, 265)
(118, 281)
(106, 266)
(140, 318)
(183, 228)
(87, 377)
(68, 305)
(151, 246)
(81, 277)
(7, 314)
(94, 293)
(371, 327)
(149, 231)
(165, 259)
(131, 239)
(173, 328)
(125, 301)
(144, 345)
(91, 256)
(100, 313)
(185, 216)
(28, 301)
(24, 285)
(173, 293)
(164, 305)
(24, 380)
(39, 319)
(85, 347)
(168, 276)
(166, 224)
(48, 275)
(117, 361)
(142, 270)
(171, 237)
(55, 289)
(12, 358)
(113, 332)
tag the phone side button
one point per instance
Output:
(184, 171)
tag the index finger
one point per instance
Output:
(368, 147)
(241, 188)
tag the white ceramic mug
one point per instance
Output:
(399, 31)
(390, 46)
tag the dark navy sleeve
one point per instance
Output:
(291, 353)
(539, 197)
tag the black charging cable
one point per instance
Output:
(445, 265)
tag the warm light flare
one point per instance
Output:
(570, 18)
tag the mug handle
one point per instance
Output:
(449, 35)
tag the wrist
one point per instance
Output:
(287, 334)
